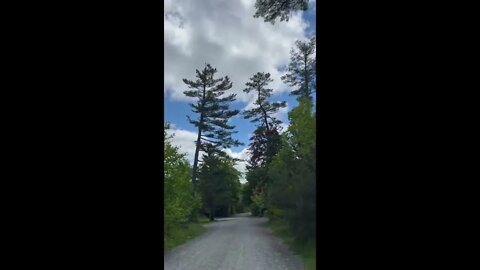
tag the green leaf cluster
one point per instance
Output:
(292, 190)
(178, 206)
(219, 184)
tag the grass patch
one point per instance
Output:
(305, 250)
(183, 233)
(203, 220)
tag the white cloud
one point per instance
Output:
(251, 103)
(241, 166)
(185, 140)
(225, 34)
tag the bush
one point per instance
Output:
(291, 193)
(178, 204)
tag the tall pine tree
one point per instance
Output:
(264, 137)
(265, 141)
(212, 106)
(301, 72)
(292, 193)
(263, 113)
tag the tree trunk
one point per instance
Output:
(263, 110)
(197, 149)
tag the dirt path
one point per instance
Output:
(236, 243)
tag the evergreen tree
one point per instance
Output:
(270, 10)
(246, 194)
(213, 109)
(301, 71)
(178, 209)
(262, 113)
(219, 183)
(264, 142)
(293, 173)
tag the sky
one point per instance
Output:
(224, 34)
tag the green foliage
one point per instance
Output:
(291, 193)
(196, 207)
(183, 233)
(265, 142)
(302, 129)
(246, 194)
(219, 184)
(306, 250)
(257, 178)
(213, 110)
(178, 205)
(263, 147)
(270, 10)
(241, 206)
(259, 203)
(281, 172)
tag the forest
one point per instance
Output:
(281, 171)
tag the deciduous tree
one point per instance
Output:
(293, 173)
(218, 182)
(177, 188)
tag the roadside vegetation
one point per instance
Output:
(182, 234)
(187, 207)
(307, 251)
(281, 170)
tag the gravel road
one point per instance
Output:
(238, 243)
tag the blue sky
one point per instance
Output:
(237, 48)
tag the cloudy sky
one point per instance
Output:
(224, 34)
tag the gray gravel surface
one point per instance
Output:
(237, 243)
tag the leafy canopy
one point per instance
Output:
(177, 187)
